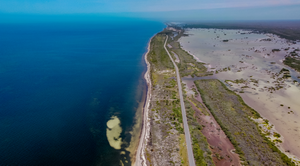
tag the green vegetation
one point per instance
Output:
(148, 156)
(284, 29)
(157, 56)
(234, 117)
(166, 128)
(228, 108)
(284, 70)
(202, 153)
(293, 62)
(294, 53)
(230, 111)
(276, 135)
(199, 106)
(254, 80)
(237, 81)
(224, 69)
(183, 151)
(275, 50)
(188, 65)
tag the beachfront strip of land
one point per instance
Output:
(224, 130)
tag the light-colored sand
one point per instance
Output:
(177, 60)
(249, 57)
(113, 132)
(140, 154)
(138, 119)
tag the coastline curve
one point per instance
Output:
(140, 154)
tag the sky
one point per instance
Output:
(164, 9)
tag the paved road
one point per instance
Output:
(185, 124)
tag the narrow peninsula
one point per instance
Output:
(223, 127)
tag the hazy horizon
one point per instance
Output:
(165, 10)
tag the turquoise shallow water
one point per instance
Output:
(61, 82)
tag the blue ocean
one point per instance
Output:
(60, 83)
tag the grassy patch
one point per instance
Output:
(237, 81)
(165, 115)
(202, 153)
(148, 156)
(158, 56)
(293, 62)
(188, 65)
(233, 115)
(199, 105)
(183, 151)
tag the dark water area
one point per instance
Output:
(61, 82)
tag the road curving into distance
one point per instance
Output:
(184, 119)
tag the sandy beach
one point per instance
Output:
(140, 154)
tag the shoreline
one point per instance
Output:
(249, 100)
(140, 156)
